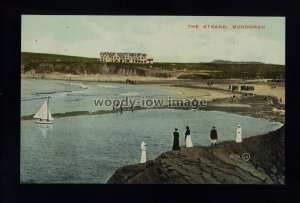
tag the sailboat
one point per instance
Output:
(44, 114)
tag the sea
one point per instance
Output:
(88, 149)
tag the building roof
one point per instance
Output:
(121, 54)
(133, 56)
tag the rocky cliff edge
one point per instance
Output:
(258, 160)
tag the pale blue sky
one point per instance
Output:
(164, 38)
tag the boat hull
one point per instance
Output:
(43, 122)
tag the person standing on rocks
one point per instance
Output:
(176, 140)
(143, 155)
(188, 139)
(213, 136)
(238, 134)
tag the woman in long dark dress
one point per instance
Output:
(176, 140)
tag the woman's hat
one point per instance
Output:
(213, 127)
(176, 129)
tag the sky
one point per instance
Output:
(163, 38)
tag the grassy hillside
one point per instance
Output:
(74, 64)
(227, 70)
(41, 57)
(60, 63)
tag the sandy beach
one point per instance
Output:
(91, 77)
(188, 89)
(199, 89)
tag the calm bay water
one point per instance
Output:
(69, 96)
(88, 149)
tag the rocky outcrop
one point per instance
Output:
(121, 70)
(131, 70)
(228, 163)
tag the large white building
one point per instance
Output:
(113, 57)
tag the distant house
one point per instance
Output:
(113, 57)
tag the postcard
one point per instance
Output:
(152, 100)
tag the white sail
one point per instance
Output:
(50, 116)
(42, 113)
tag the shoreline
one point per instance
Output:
(187, 87)
(105, 78)
(255, 110)
(218, 96)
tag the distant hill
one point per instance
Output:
(235, 62)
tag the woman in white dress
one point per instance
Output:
(239, 134)
(188, 139)
(143, 155)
